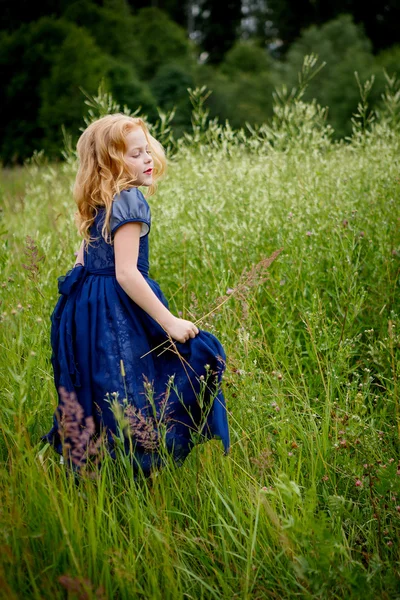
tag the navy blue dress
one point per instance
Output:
(103, 348)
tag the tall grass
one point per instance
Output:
(307, 503)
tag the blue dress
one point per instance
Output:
(103, 348)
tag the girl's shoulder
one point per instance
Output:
(130, 195)
(130, 205)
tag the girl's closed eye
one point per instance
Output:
(138, 154)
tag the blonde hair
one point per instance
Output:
(102, 171)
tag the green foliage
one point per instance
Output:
(161, 41)
(242, 86)
(345, 49)
(128, 90)
(78, 61)
(111, 28)
(169, 87)
(246, 57)
(26, 58)
(146, 61)
(47, 63)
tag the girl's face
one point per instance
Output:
(138, 157)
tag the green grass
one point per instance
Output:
(307, 503)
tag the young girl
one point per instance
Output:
(112, 334)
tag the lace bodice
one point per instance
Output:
(129, 206)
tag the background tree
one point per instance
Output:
(242, 86)
(160, 40)
(219, 24)
(344, 47)
(379, 19)
(26, 58)
(176, 10)
(112, 29)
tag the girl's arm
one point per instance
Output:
(126, 251)
(79, 258)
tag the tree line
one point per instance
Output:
(148, 56)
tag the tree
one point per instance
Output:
(161, 41)
(112, 29)
(45, 65)
(219, 25)
(169, 87)
(242, 86)
(345, 49)
(379, 19)
(78, 63)
(26, 57)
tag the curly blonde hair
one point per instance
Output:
(102, 171)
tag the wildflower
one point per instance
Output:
(290, 215)
(275, 406)
(142, 428)
(264, 489)
(290, 453)
(82, 587)
(264, 462)
(31, 251)
(345, 222)
(13, 312)
(361, 234)
(398, 509)
(230, 291)
(343, 443)
(308, 233)
(280, 376)
(358, 483)
(325, 478)
(77, 431)
(389, 543)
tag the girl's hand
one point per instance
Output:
(181, 330)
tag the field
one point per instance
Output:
(307, 503)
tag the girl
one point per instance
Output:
(114, 340)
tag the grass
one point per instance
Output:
(307, 503)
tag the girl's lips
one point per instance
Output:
(148, 172)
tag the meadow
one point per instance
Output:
(307, 502)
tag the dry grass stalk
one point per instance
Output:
(77, 432)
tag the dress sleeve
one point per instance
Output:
(130, 206)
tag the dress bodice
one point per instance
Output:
(100, 254)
